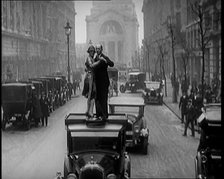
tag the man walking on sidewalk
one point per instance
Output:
(183, 106)
(190, 118)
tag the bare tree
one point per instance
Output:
(147, 48)
(199, 13)
(163, 52)
(171, 31)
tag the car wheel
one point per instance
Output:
(122, 89)
(145, 146)
(196, 167)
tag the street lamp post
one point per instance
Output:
(68, 33)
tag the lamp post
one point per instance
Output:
(68, 33)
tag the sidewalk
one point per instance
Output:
(174, 107)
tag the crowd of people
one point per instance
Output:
(191, 105)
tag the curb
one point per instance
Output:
(172, 110)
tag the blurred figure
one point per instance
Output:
(190, 111)
(37, 113)
(44, 103)
(183, 106)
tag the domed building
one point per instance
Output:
(114, 24)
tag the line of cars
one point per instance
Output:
(18, 98)
(151, 90)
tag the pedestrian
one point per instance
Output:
(102, 83)
(190, 117)
(37, 113)
(183, 106)
(44, 103)
(74, 87)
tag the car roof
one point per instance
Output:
(16, 84)
(213, 112)
(136, 73)
(153, 82)
(124, 100)
(83, 130)
(78, 126)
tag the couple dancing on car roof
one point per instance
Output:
(97, 82)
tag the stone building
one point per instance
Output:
(155, 14)
(212, 19)
(114, 24)
(33, 38)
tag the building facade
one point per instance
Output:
(33, 38)
(114, 25)
(212, 23)
(155, 13)
(185, 24)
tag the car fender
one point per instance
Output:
(67, 166)
(127, 164)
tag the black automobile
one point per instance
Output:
(137, 133)
(153, 92)
(96, 149)
(17, 103)
(135, 82)
(208, 161)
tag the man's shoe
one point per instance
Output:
(184, 134)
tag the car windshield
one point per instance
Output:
(126, 110)
(133, 77)
(154, 85)
(13, 93)
(93, 143)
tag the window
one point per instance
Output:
(178, 4)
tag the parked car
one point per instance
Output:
(137, 133)
(95, 149)
(135, 82)
(208, 161)
(17, 103)
(153, 92)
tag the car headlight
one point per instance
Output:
(111, 176)
(71, 176)
(203, 159)
(136, 129)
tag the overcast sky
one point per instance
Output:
(83, 9)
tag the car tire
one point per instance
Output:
(122, 89)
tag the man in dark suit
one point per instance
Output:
(183, 106)
(102, 83)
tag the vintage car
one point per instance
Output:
(17, 103)
(96, 149)
(208, 163)
(137, 133)
(135, 82)
(153, 92)
(113, 76)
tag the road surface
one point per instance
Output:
(39, 152)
